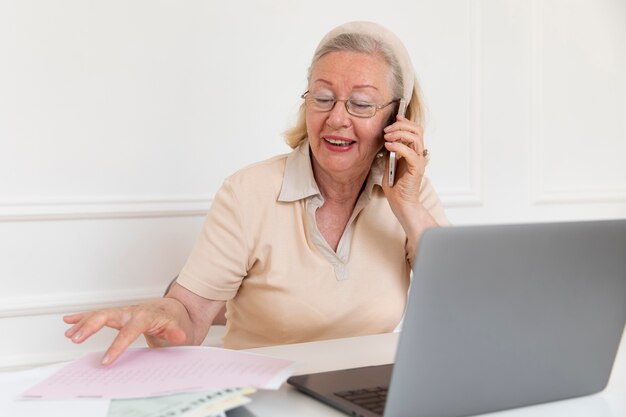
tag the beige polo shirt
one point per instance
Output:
(261, 251)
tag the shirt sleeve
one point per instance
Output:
(218, 261)
(430, 201)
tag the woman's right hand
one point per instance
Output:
(157, 319)
(180, 318)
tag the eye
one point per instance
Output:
(361, 105)
(323, 100)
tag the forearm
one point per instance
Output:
(414, 222)
(195, 313)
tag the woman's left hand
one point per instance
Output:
(406, 139)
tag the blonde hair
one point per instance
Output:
(358, 42)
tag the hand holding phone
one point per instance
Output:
(391, 174)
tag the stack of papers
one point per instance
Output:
(210, 403)
(144, 382)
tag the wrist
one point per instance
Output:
(414, 224)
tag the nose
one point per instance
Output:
(338, 117)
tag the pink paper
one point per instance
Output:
(144, 372)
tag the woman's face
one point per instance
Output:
(344, 145)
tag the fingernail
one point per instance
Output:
(77, 336)
(105, 360)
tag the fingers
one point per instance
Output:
(407, 133)
(126, 336)
(73, 318)
(159, 320)
(86, 324)
(414, 163)
(406, 139)
(402, 123)
(76, 320)
(168, 332)
(175, 336)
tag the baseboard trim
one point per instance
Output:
(67, 303)
(103, 208)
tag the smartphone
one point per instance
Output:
(391, 175)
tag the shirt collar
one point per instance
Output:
(299, 182)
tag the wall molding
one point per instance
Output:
(472, 194)
(580, 196)
(476, 101)
(23, 306)
(460, 198)
(110, 207)
(540, 194)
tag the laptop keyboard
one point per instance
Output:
(372, 399)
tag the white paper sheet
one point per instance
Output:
(145, 372)
(14, 383)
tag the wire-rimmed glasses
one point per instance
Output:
(357, 108)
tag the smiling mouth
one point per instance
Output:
(339, 142)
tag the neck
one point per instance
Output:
(342, 189)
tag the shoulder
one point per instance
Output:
(259, 178)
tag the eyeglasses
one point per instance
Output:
(354, 107)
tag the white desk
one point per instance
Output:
(380, 349)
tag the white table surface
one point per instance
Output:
(380, 349)
(340, 354)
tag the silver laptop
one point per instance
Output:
(498, 317)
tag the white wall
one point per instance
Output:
(119, 120)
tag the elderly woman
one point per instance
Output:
(314, 244)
